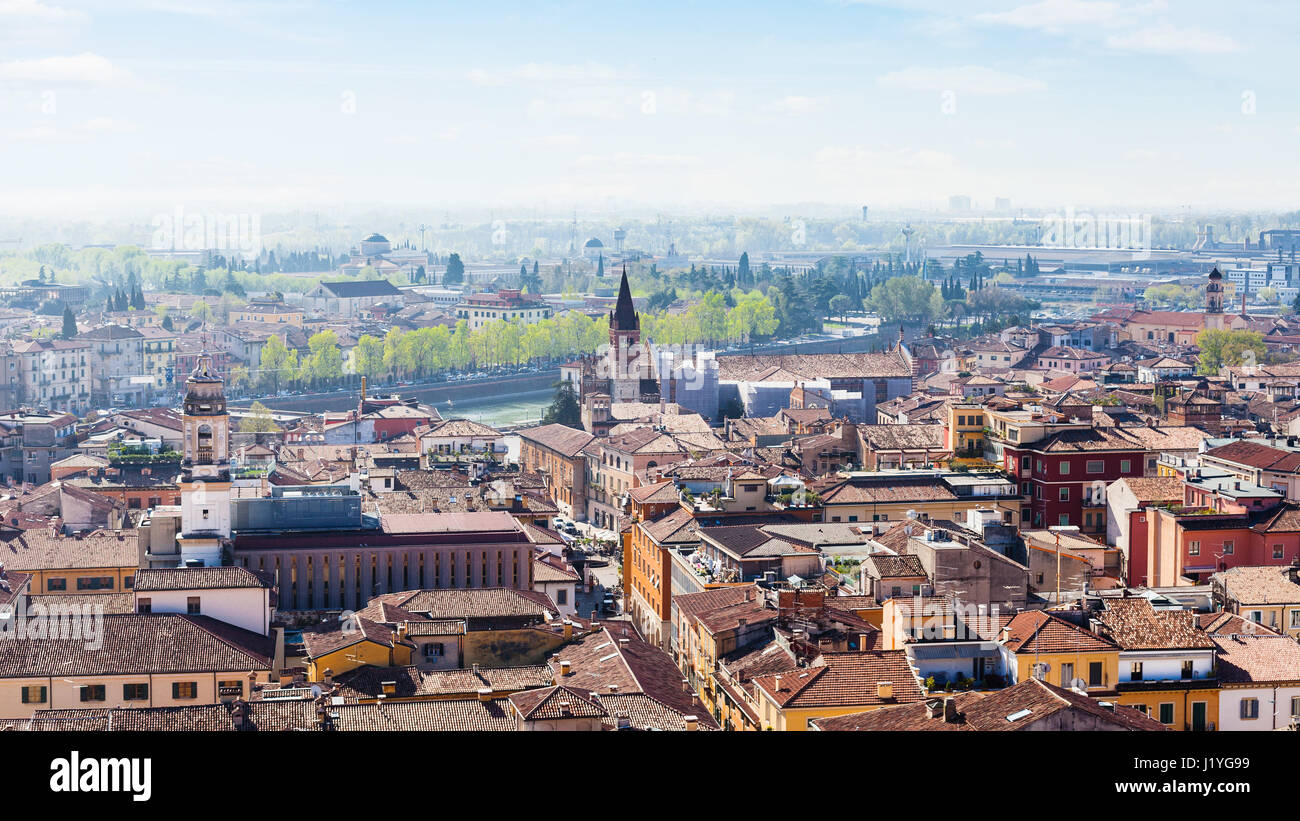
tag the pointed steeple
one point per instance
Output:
(624, 318)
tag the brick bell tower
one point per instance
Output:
(625, 364)
(1214, 301)
(205, 468)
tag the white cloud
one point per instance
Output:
(1057, 15)
(542, 73)
(794, 105)
(966, 79)
(1166, 39)
(81, 69)
(26, 12)
(50, 132)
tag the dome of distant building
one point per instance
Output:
(593, 248)
(375, 245)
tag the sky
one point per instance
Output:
(140, 106)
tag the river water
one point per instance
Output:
(516, 409)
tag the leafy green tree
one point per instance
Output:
(840, 305)
(907, 298)
(564, 409)
(278, 364)
(325, 362)
(1225, 348)
(455, 271)
(258, 420)
(368, 356)
(69, 323)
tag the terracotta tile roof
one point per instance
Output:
(1259, 585)
(557, 702)
(603, 658)
(1155, 488)
(332, 638)
(1222, 623)
(481, 603)
(548, 571)
(142, 643)
(1038, 632)
(98, 602)
(367, 681)
(992, 711)
(794, 367)
(677, 527)
(199, 578)
(846, 491)
(658, 493)
(1247, 659)
(886, 566)
(843, 680)
(188, 719)
(647, 713)
(559, 438)
(40, 550)
(1133, 624)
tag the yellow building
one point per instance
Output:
(1166, 663)
(888, 496)
(836, 684)
(205, 662)
(268, 312)
(101, 561)
(354, 644)
(159, 356)
(965, 432)
(1061, 651)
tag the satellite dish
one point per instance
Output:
(1079, 685)
(315, 691)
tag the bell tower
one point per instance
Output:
(205, 468)
(625, 366)
(1214, 301)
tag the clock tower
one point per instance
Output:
(205, 468)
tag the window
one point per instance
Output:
(1096, 466)
(144, 606)
(1141, 708)
(1095, 674)
(1249, 709)
(1125, 466)
(1063, 520)
(433, 651)
(1277, 551)
(92, 692)
(135, 692)
(95, 583)
(1167, 713)
(1067, 674)
(35, 694)
(1227, 548)
(1135, 671)
(562, 596)
(1295, 706)
(185, 689)
(1065, 468)
(1187, 669)
(193, 605)
(1194, 548)
(1064, 494)
(56, 584)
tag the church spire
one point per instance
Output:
(624, 318)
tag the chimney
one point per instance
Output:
(884, 690)
(950, 711)
(566, 667)
(686, 685)
(863, 641)
(777, 681)
(613, 688)
(329, 677)
(566, 708)
(623, 642)
(692, 723)
(485, 694)
(568, 629)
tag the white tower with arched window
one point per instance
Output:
(205, 468)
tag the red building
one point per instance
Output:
(1065, 475)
